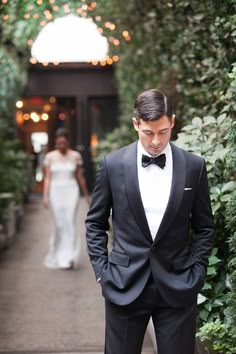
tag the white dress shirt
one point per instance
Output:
(155, 186)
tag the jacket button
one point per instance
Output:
(153, 248)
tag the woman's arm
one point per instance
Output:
(46, 185)
(82, 182)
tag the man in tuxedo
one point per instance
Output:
(157, 195)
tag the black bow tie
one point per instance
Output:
(159, 160)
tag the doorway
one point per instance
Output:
(102, 118)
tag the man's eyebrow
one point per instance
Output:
(147, 130)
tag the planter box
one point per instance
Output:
(11, 219)
(2, 238)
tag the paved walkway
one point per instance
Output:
(48, 311)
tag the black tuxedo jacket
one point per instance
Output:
(177, 257)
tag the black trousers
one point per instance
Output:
(126, 325)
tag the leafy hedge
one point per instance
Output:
(185, 48)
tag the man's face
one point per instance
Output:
(154, 135)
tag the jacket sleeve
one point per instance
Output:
(97, 222)
(202, 221)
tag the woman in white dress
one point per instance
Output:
(63, 174)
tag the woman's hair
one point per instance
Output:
(61, 132)
(152, 104)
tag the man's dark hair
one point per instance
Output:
(61, 132)
(152, 104)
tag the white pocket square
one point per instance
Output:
(188, 189)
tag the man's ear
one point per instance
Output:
(173, 121)
(135, 123)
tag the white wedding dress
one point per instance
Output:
(64, 245)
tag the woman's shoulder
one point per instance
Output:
(76, 156)
(51, 153)
(49, 157)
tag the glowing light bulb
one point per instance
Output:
(19, 104)
(44, 116)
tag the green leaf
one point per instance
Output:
(207, 286)
(209, 120)
(229, 186)
(221, 118)
(197, 122)
(225, 198)
(214, 260)
(211, 271)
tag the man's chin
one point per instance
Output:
(155, 152)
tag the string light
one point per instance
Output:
(115, 58)
(30, 42)
(83, 12)
(116, 42)
(33, 61)
(109, 61)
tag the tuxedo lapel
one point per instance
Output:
(132, 189)
(176, 193)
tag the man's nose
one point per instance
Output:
(155, 140)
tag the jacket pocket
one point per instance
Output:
(119, 258)
(183, 263)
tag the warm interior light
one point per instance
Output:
(44, 116)
(52, 99)
(19, 104)
(19, 118)
(26, 116)
(47, 107)
(35, 117)
(62, 116)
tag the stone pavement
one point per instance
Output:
(49, 311)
